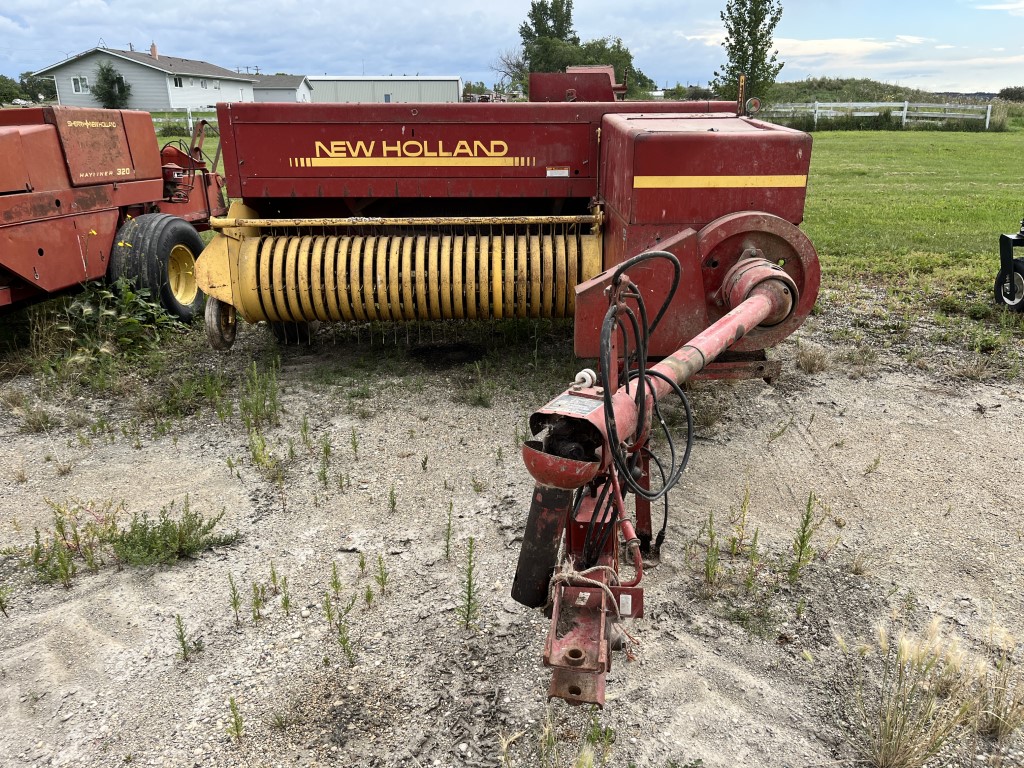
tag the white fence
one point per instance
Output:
(185, 117)
(907, 111)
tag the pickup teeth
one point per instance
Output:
(463, 273)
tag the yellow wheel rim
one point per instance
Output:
(181, 275)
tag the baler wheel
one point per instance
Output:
(292, 333)
(1002, 284)
(158, 252)
(221, 323)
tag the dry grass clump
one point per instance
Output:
(920, 698)
(811, 358)
(917, 697)
(1000, 698)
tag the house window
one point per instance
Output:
(387, 98)
(202, 83)
(80, 84)
(216, 85)
(191, 82)
(178, 83)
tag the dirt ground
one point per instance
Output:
(916, 469)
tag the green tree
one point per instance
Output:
(610, 50)
(512, 70)
(110, 89)
(1015, 93)
(9, 89)
(689, 93)
(550, 44)
(551, 19)
(749, 26)
(33, 87)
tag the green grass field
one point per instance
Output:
(914, 218)
(890, 204)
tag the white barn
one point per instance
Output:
(158, 82)
(283, 88)
(386, 90)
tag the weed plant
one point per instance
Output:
(187, 646)
(259, 601)
(803, 552)
(89, 337)
(145, 542)
(335, 581)
(382, 576)
(89, 534)
(235, 598)
(345, 641)
(236, 727)
(469, 610)
(448, 535)
(915, 702)
(286, 598)
(999, 706)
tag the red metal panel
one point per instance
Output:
(687, 314)
(13, 173)
(30, 159)
(571, 86)
(52, 204)
(45, 159)
(339, 150)
(416, 188)
(138, 127)
(434, 152)
(691, 170)
(228, 125)
(95, 145)
(31, 116)
(53, 255)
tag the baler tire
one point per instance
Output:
(221, 323)
(292, 333)
(158, 252)
(1018, 277)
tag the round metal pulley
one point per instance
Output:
(726, 241)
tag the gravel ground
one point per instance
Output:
(911, 465)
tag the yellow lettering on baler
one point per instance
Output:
(477, 152)
(360, 148)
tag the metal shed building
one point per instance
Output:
(386, 90)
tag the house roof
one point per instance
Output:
(280, 82)
(172, 65)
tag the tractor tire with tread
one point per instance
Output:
(158, 252)
(1001, 297)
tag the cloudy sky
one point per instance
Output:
(955, 45)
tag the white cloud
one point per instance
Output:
(1015, 8)
(839, 47)
(713, 39)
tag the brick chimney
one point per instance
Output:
(152, 51)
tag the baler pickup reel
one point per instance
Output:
(593, 448)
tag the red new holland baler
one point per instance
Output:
(668, 230)
(87, 194)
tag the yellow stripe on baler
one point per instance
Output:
(718, 182)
